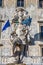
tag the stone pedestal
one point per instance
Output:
(15, 64)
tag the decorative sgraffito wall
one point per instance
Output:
(8, 13)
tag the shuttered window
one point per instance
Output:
(20, 3)
(41, 3)
(0, 3)
(42, 51)
(0, 28)
(41, 34)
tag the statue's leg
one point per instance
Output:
(19, 57)
(24, 50)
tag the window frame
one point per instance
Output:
(42, 51)
(39, 29)
(41, 32)
(2, 4)
(22, 5)
(0, 29)
(39, 5)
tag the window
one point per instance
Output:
(20, 3)
(41, 3)
(42, 55)
(0, 3)
(41, 34)
(0, 28)
(42, 51)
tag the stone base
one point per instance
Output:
(15, 64)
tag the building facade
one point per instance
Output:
(35, 10)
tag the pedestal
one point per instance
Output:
(15, 64)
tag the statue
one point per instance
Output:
(20, 39)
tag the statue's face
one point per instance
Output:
(20, 13)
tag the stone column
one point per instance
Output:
(27, 2)
(15, 3)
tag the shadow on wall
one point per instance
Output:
(32, 41)
(37, 37)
